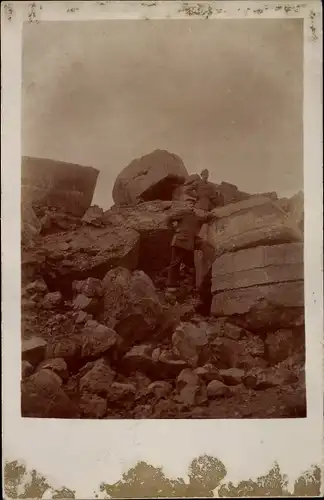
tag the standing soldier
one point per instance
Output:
(208, 197)
(184, 242)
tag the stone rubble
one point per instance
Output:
(101, 337)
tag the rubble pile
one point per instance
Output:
(102, 337)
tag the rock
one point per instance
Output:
(188, 341)
(98, 341)
(131, 305)
(30, 225)
(263, 308)
(94, 216)
(119, 391)
(220, 327)
(43, 397)
(93, 252)
(38, 286)
(258, 266)
(50, 183)
(243, 354)
(52, 300)
(56, 365)
(232, 376)
(253, 222)
(216, 389)
(81, 302)
(160, 388)
(139, 358)
(168, 365)
(153, 176)
(259, 379)
(33, 350)
(282, 344)
(81, 317)
(191, 391)
(98, 379)
(150, 221)
(26, 369)
(87, 304)
(90, 287)
(68, 349)
(208, 372)
(92, 406)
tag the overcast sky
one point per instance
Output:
(222, 94)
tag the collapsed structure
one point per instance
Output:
(100, 338)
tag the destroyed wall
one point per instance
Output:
(66, 186)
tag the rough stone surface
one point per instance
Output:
(43, 396)
(52, 300)
(91, 253)
(98, 379)
(263, 307)
(56, 365)
(258, 266)
(90, 287)
(216, 389)
(232, 376)
(131, 305)
(188, 342)
(154, 176)
(160, 388)
(26, 369)
(33, 350)
(58, 184)
(282, 344)
(92, 406)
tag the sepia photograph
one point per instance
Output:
(162, 249)
(162, 220)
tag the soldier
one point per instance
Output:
(184, 242)
(208, 197)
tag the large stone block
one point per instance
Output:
(88, 252)
(251, 223)
(151, 177)
(66, 186)
(262, 307)
(258, 266)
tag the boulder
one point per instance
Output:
(139, 358)
(188, 341)
(121, 392)
(258, 266)
(84, 303)
(56, 365)
(263, 308)
(208, 372)
(98, 341)
(26, 369)
(131, 305)
(57, 184)
(191, 390)
(33, 350)
(217, 389)
(283, 344)
(43, 397)
(90, 287)
(52, 300)
(38, 286)
(259, 379)
(94, 216)
(85, 253)
(92, 406)
(160, 388)
(30, 225)
(256, 221)
(232, 376)
(98, 379)
(151, 177)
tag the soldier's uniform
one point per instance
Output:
(208, 197)
(184, 242)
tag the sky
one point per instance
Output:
(224, 95)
